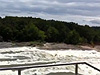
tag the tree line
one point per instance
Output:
(25, 29)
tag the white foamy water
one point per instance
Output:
(26, 55)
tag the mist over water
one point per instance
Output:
(28, 55)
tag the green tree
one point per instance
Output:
(74, 37)
(32, 33)
(52, 34)
(7, 34)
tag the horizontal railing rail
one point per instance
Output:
(20, 68)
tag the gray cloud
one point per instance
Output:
(67, 10)
(97, 21)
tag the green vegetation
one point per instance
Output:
(25, 29)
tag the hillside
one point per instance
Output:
(26, 29)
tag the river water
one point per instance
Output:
(28, 55)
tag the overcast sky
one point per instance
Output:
(79, 11)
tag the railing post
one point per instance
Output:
(76, 69)
(19, 72)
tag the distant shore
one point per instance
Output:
(50, 46)
(63, 46)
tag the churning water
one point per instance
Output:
(28, 55)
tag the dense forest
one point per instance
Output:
(24, 29)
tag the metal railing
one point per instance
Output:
(20, 68)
